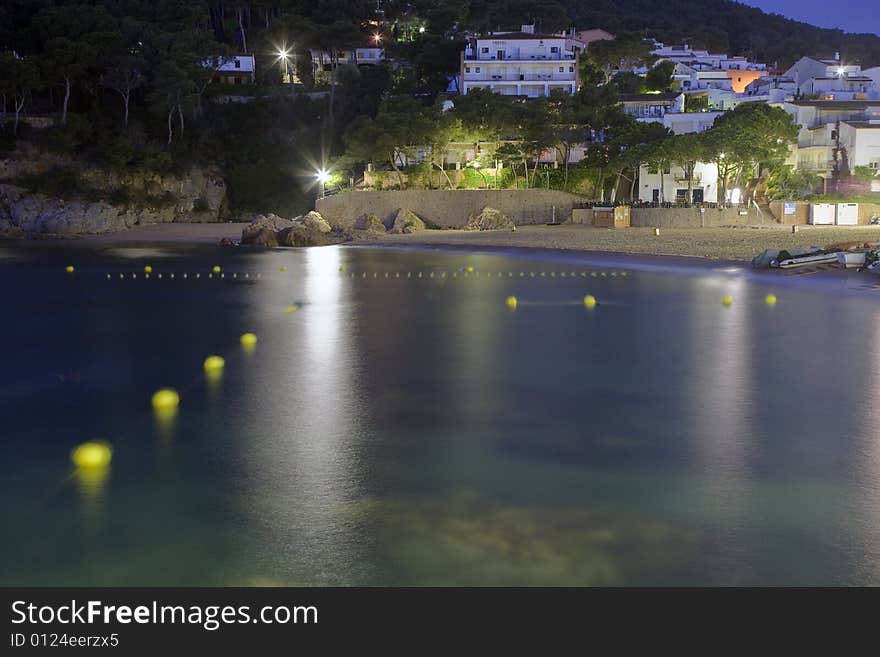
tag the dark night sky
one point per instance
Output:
(849, 15)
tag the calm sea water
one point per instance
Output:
(416, 431)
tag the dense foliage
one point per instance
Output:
(125, 81)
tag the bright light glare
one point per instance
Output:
(283, 54)
(422, 30)
(377, 38)
(840, 70)
(323, 176)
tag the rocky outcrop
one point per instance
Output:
(488, 219)
(127, 196)
(369, 223)
(314, 221)
(406, 221)
(263, 222)
(22, 213)
(272, 230)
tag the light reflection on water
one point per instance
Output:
(417, 431)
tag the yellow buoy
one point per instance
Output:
(165, 399)
(291, 308)
(92, 454)
(69, 269)
(770, 299)
(216, 269)
(214, 363)
(282, 268)
(511, 302)
(590, 301)
(148, 269)
(249, 340)
(727, 300)
(470, 270)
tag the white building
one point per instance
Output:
(823, 122)
(861, 139)
(697, 70)
(668, 109)
(672, 185)
(237, 69)
(521, 64)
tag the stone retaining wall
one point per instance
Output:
(449, 208)
(695, 217)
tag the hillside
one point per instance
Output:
(722, 25)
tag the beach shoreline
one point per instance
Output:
(736, 245)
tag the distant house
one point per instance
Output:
(520, 64)
(237, 69)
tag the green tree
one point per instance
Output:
(21, 77)
(659, 76)
(752, 136)
(401, 125)
(72, 37)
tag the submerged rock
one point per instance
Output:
(406, 221)
(488, 219)
(466, 540)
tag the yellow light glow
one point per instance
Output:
(92, 454)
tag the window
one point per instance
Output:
(571, 69)
(486, 49)
(237, 64)
(554, 49)
(467, 69)
(562, 69)
(476, 69)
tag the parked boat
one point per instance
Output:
(786, 260)
(851, 259)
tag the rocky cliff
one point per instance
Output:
(116, 199)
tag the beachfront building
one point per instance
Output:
(829, 125)
(521, 63)
(671, 185)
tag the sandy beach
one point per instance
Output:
(716, 243)
(174, 232)
(732, 243)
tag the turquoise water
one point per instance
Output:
(416, 431)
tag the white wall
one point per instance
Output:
(705, 178)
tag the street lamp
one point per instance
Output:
(323, 177)
(283, 57)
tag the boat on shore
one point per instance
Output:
(851, 259)
(788, 260)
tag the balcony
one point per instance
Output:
(526, 57)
